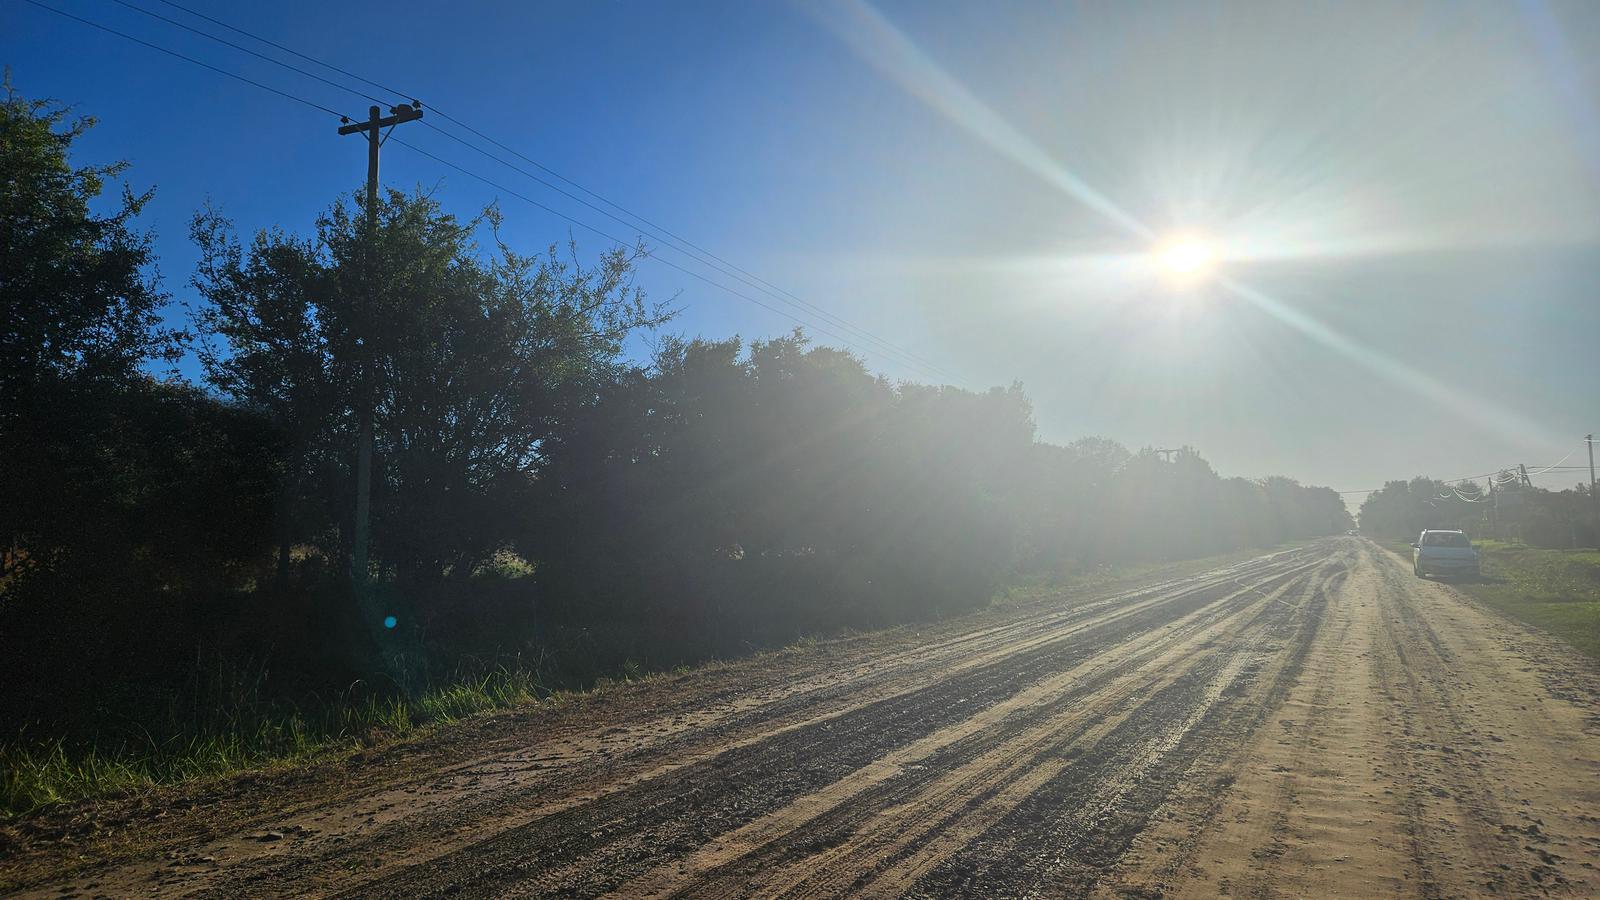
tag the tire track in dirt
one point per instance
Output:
(625, 832)
(1154, 863)
(1303, 787)
(934, 797)
(1414, 669)
(1066, 836)
(1288, 726)
(487, 816)
(1273, 847)
(357, 829)
(1422, 753)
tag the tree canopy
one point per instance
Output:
(476, 364)
(78, 294)
(1511, 510)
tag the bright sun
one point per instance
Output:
(1186, 259)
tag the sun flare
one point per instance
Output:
(1187, 259)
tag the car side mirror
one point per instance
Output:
(1413, 543)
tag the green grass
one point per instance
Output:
(34, 775)
(1556, 590)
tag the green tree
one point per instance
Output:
(1402, 509)
(79, 317)
(274, 357)
(476, 362)
(79, 301)
(734, 494)
(130, 507)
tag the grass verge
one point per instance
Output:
(1556, 590)
(34, 775)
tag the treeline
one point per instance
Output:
(1514, 511)
(789, 487)
(534, 490)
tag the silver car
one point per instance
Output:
(1440, 552)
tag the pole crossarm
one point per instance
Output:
(405, 112)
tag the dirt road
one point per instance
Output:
(1312, 723)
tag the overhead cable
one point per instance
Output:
(670, 239)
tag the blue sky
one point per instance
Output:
(1410, 193)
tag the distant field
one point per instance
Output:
(1557, 590)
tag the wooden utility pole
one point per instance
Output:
(1494, 510)
(1594, 498)
(364, 401)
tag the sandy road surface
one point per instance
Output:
(1313, 723)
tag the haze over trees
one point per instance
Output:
(1513, 511)
(535, 490)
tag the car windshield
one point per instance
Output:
(1445, 539)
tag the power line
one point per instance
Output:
(311, 59)
(1557, 465)
(905, 359)
(1494, 477)
(1445, 480)
(695, 252)
(668, 236)
(243, 49)
(610, 237)
(727, 269)
(204, 65)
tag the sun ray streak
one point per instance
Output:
(878, 42)
(1503, 422)
(881, 44)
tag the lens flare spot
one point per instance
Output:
(390, 621)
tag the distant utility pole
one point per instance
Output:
(373, 128)
(1594, 498)
(1494, 510)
